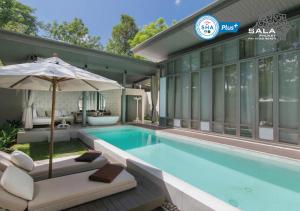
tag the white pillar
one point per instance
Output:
(84, 109)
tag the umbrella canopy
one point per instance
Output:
(52, 74)
(39, 75)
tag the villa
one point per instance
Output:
(203, 124)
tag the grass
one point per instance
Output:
(39, 150)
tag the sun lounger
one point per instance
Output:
(60, 167)
(67, 191)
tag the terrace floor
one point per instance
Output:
(146, 196)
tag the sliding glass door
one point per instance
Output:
(247, 99)
(218, 100)
(265, 98)
(195, 100)
(230, 100)
(205, 99)
(288, 72)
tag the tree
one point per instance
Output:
(74, 32)
(148, 31)
(121, 34)
(17, 17)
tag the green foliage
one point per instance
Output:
(148, 31)
(39, 150)
(74, 32)
(121, 34)
(8, 134)
(17, 17)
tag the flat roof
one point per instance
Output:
(182, 35)
(19, 48)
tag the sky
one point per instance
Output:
(101, 15)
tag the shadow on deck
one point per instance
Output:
(146, 196)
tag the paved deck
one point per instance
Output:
(146, 196)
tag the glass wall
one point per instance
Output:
(230, 99)
(265, 70)
(242, 87)
(205, 90)
(247, 98)
(218, 107)
(185, 78)
(195, 105)
(289, 97)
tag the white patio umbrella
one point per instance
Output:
(52, 74)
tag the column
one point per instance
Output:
(83, 109)
(123, 100)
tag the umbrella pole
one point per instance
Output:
(54, 84)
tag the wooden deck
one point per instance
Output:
(146, 196)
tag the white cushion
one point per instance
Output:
(22, 160)
(17, 182)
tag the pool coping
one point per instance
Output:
(182, 194)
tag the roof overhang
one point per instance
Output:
(18, 48)
(182, 35)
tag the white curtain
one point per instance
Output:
(154, 96)
(27, 113)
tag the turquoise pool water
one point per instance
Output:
(251, 183)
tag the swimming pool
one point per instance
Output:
(249, 181)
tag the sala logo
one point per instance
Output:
(261, 31)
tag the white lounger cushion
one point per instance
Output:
(66, 167)
(11, 202)
(22, 160)
(68, 191)
(17, 182)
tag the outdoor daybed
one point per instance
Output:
(65, 192)
(60, 167)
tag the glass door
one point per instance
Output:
(288, 87)
(230, 99)
(265, 98)
(218, 100)
(247, 99)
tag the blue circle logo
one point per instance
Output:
(207, 27)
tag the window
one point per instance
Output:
(246, 48)
(265, 46)
(265, 67)
(94, 101)
(195, 61)
(185, 63)
(246, 98)
(178, 97)
(170, 68)
(292, 38)
(218, 99)
(178, 66)
(288, 67)
(205, 58)
(205, 90)
(230, 51)
(230, 87)
(195, 96)
(217, 53)
(185, 78)
(170, 97)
